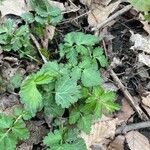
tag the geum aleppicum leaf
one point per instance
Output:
(30, 96)
(13, 131)
(100, 100)
(80, 38)
(67, 91)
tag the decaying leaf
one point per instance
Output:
(140, 42)
(137, 141)
(16, 7)
(146, 100)
(145, 59)
(25, 146)
(125, 112)
(101, 130)
(8, 101)
(100, 13)
(117, 143)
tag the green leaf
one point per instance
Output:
(19, 130)
(74, 116)
(22, 30)
(90, 77)
(53, 138)
(28, 17)
(98, 54)
(5, 121)
(67, 91)
(142, 5)
(31, 97)
(9, 25)
(85, 123)
(80, 38)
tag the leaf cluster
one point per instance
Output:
(74, 86)
(15, 39)
(44, 13)
(13, 128)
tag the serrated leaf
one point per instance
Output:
(80, 38)
(67, 91)
(5, 121)
(28, 17)
(53, 138)
(74, 116)
(31, 97)
(98, 54)
(85, 123)
(19, 130)
(90, 77)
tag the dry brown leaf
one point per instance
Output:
(146, 100)
(16, 7)
(25, 146)
(100, 132)
(145, 59)
(125, 112)
(140, 42)
(101, 13)
(117, 143)
(147, 109)
(137, 141)
(95, 2)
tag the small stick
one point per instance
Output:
(128, 96)
(124, 129)
(118, 13)
(38, 47)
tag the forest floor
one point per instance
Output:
(125, 38)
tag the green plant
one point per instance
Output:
(13, 128)
(13, 39)
(74, 85)
(142, 5)
(70, 85)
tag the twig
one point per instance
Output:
(118, 13)
(128, 96)
(37, 46)
(124, 129)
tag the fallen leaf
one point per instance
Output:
(147, 109)
(137, 141)
(125, 112)
(140, 42)
(16, 7)
(146, 100)
(145, 59)
(100, 132)
(100, 13)
(24, 146)
(8, 101)
(117, 143)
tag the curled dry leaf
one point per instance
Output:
(146, 100)
(125, 112)
(16, 7)
(100, 132)
(137, 141)
(117, 143)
